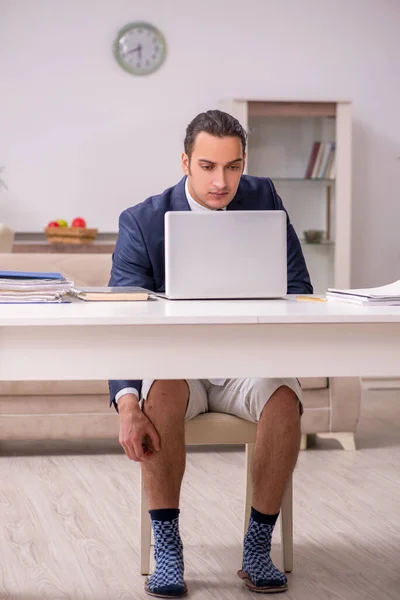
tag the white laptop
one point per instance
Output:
(225, 254)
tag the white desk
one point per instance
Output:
(195, 339)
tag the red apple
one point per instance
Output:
(53, 224)
(78, 222)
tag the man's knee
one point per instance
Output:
(169, 393)
(286, 401)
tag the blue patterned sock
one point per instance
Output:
(167, 579)
(257, 562)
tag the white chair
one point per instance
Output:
(218, 429)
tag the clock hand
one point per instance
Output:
(137, 49)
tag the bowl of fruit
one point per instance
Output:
(59, 232)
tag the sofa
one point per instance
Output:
(80, 409)
(6, 238)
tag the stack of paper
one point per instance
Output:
(21, 287)
(386, 295)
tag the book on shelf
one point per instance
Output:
(312, 159)
(385, 295)
(317, 162)
(321, 163)
(26, 287)
(110, 294)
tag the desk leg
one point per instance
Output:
(145, 531)
(248, 485)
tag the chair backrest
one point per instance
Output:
(219, 428)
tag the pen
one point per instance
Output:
(311, 299)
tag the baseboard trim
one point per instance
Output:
(380, 384)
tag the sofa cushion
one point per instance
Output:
(82, 269)
(313, 383)
(47, 405)
(316, 399)
(314, 421)
(52, 388)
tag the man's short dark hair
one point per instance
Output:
(214, 122)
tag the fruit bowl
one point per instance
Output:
(70, 235)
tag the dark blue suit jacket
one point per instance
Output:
(138, 258)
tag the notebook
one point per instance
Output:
(29, 275)
(110, 294)
(385, 295)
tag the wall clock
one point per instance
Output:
(140, 48)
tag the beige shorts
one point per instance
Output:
(244, 398)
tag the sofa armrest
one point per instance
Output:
(345, 403)
(6, 238)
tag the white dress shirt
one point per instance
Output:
(193, 206)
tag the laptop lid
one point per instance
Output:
(225, 254)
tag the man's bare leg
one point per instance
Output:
(275, 454)
(165, 407)
(276, 450)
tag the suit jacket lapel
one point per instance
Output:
(179, 200)
(236, 202)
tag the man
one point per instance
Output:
(152, 431)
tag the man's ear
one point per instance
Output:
(185, 163)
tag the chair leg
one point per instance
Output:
(145, 531)
(303, 443)
(248, 485)
(287, 528)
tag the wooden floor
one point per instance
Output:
(69, 519)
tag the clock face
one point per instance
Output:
(140, 48)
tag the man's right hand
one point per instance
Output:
(137, 435)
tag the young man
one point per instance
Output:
(152, 432)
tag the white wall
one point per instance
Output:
(80, 136)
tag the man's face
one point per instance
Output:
(214, 169)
